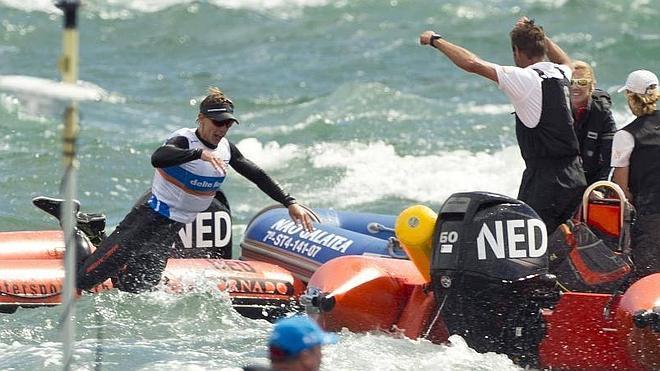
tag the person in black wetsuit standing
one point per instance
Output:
(593, 122)
(190, 168)
(636, 161)
(553, 180)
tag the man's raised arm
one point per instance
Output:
(461, 57)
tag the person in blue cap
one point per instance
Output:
(295, 345)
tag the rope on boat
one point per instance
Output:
(436, 317)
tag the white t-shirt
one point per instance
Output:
(622, 147)
(523, 87)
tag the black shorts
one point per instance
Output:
(553, 191)
(134, 255)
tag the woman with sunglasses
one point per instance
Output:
(190, 168)
(592, 121)
(636, 161)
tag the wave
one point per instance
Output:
(121, 9)
(376, 171)
(270, 155)
(44, 6)
(363, 173)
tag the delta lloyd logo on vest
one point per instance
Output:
(511, 239)
(204, 183)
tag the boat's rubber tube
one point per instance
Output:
(361, 293)
(257, 289)
(272, 237)
(24, 245)
(638, 319)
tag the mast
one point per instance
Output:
(68, 65)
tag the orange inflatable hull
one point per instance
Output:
(36, 278)
(369, 293)
(584, 330)
(597, 331)
(29, 245)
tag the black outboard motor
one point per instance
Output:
(489, 273)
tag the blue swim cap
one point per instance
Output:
(294, 334)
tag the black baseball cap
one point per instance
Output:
(218, 111)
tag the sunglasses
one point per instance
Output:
(223, 123)
(581, 82)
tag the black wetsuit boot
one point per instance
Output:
(91, 224)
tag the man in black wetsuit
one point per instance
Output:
(553, 181)
(190, 168)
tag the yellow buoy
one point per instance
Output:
(414, 229)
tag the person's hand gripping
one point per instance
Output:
(217, 163)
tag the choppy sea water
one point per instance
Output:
(337, 102)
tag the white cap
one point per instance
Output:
(640, 82)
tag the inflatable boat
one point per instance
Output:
(272, 237)
(32, 270)
(480, 268)
(278, 256)
(484, 267)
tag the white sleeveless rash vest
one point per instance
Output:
(181, 192)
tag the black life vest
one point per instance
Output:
(553, 140)
(645, 163)
(594, 132)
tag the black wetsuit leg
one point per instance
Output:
(144, 270)
(553, 191)
(142, 232)
(645, 251)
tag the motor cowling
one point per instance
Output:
(489, 273)
(489, 235)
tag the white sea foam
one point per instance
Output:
(484, 109)
(121, 9)
(376, 171)
(268, 4)
(270, 155)
(390, 353)
(45, 6)
(151, 6)
(148, 6)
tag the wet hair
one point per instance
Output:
(643, 104)
(216, 96)
(586, 68)
(529, 38)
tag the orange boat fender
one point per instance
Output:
(638, 318)
(361, 293)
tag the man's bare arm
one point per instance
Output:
(461, 57)
(555, 53)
